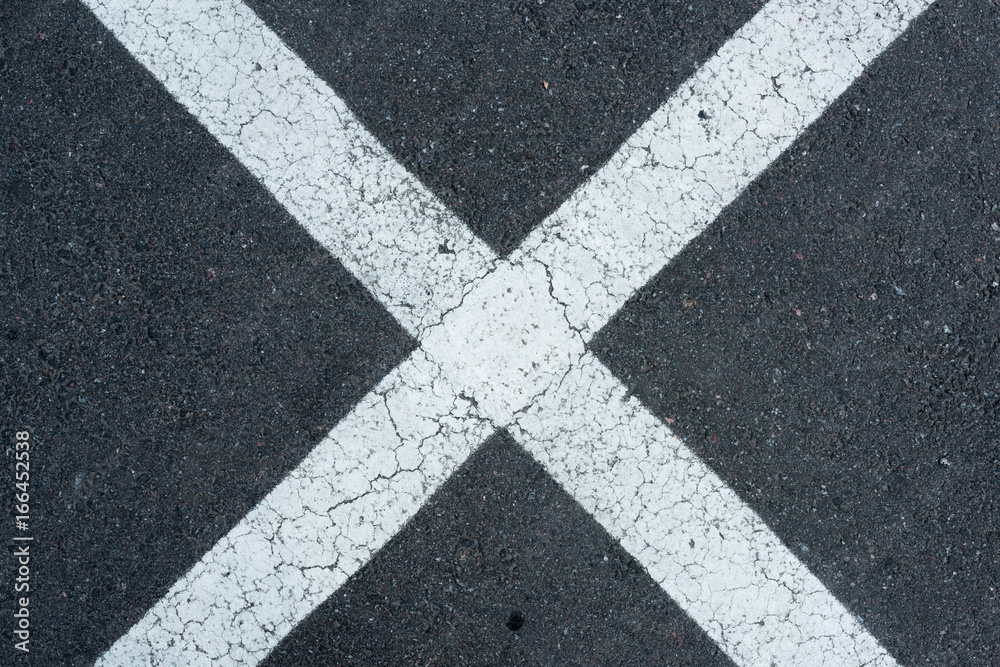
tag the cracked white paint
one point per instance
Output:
(292, 132)
(502, 343)
(716, 558)
(672, 177)
(349, 496)
(507, 343)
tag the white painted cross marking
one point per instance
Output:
(503, 343)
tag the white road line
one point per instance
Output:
(350, 495)
(692, 533)
(678, 171)
(260, 101)
(515, 348)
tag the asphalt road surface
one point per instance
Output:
(538, 332)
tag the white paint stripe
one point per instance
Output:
(674, 176)
(292, 132)
(314, 530)
(693, 534)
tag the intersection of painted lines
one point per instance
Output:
(503, 343)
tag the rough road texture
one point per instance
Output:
(508, 347)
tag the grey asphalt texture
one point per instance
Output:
(176, 344)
